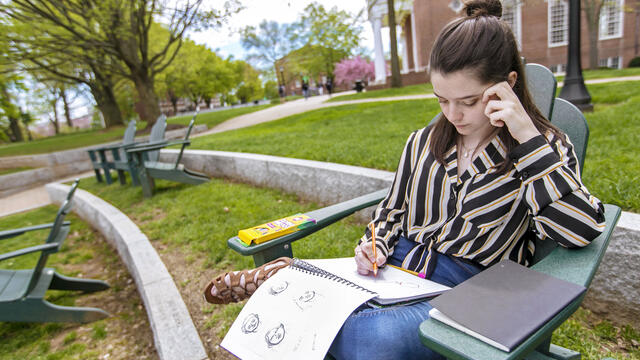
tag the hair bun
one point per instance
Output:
(475, 8)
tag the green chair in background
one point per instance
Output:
(22, 291)
(99, 155)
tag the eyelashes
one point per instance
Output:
(465, 103)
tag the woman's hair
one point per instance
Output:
(482, 44)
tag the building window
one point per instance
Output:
(611, 62)
(558, 24)
(511, 15)
(611, 19)
(558, 68)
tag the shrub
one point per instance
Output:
(635, 62)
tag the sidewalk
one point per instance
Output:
(37, 197)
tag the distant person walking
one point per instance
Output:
(281, 93)
(305, 87)
(329, 86)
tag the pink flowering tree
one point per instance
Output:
(348, 71)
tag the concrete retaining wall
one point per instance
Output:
(617, 282)
(175, 335)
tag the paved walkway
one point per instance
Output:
(37, 197)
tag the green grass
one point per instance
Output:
(406, 90)
(214, 118)
(606, 73)
(373, 135)
(94, 137)
(19, 340)
(14, 170)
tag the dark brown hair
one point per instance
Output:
(485, 45)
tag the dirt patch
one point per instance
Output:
(126, 334)
(191, 279)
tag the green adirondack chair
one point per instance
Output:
(123, 162)
(99, 155)
(149, 168)
(575, 265)
(22, 291)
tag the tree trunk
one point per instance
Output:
(107, 104)
(396, 80)
(591, 10)
(15, 129)
(207, 101)
(147, 107)
(67, 112)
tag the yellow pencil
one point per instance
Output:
(373, 244)
(405, 270)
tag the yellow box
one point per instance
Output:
(273, 229)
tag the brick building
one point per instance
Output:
(540, 26)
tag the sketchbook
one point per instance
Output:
(504, 304)
(297, 312)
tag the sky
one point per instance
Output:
(227, 41)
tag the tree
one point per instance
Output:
(10, 84)
(122, 29)
(350, 70)
(249, 84)
(396, 80)
(330, 34)
(268, 43)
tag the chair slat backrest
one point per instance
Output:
(542, 87)
(186, 136)
(57, 234)
(157, 134)
(130, 133)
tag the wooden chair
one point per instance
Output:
(22, 291)
(149, 168)
(575, 265)
(123, 162)
(99, 155)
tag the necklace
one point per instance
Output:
(467, 152)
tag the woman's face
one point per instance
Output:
(460, 96)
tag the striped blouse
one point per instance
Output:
(483, 216)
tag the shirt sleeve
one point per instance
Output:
(561, 205)
(387, 218)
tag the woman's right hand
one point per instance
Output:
(364, 258)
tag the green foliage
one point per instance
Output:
(249, 83)
(270, 89)
(419, 89)
(268, 42)
(635, 62)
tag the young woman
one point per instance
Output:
(471, 189)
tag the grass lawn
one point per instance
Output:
(94, 137)
(124, 335)
(14, 170)
(406, 90)
(427, 88)
(202, 248)
(612, 167)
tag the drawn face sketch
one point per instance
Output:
(305, 300)
(278, 287)
(274, 336)
(250, 323)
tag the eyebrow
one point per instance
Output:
(460, 98)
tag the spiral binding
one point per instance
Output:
(314, 270)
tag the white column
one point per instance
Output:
(414, 40)
(405, 54)
(381, 73)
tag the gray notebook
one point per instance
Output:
(505, 303)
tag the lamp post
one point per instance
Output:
(573, 89)
(282, 75)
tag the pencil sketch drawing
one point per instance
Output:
(278, 287)
(274, 336)
(250, 323)
(305, 300)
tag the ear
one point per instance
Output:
(511, 78)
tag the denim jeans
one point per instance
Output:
(391, 332)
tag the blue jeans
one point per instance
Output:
(392, 332)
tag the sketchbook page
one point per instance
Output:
(293, 315)
(391, 285)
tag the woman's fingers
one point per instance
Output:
(364, 258)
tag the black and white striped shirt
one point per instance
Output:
(483, 216)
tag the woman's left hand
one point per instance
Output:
(504, 108)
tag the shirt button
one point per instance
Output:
(525, 174)
(452, 197)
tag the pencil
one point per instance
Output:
(373, 244)
(407, 271)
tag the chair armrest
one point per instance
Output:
(156, 146)
(28, 250)
(15, 232)
(574, 265)
(324, 217)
